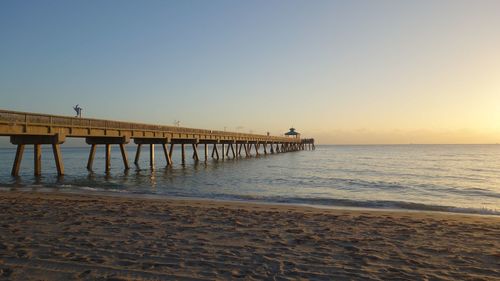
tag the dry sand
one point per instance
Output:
(54, 236)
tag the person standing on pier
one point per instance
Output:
(78, 110)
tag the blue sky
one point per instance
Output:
(341, 71)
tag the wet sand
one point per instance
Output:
(54, 236)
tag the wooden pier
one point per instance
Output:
(42, 129)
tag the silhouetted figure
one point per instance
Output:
(78, 110)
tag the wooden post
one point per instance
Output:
(228, 147)
(206, 152)
(195, 152)
(183, 149)
(167, 155)
(256, 149)
(17, 160)
(265, 148)
(91, 157)
(137, 154)
(223, 152)
(171, 149)
(272, 148)
(247, 152)
(108, 158)
(239, 150)
(249, 149)
(232, 150)
(38, 159)
(152, 155)
(216, 151)
(58, 159)
(124, 156)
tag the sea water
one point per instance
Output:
(452, 178)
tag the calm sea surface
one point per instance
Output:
(455, 178)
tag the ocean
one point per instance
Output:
(448, 178)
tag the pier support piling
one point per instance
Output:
(239, 150)
(167, 155)
(107, 141)
(247, 150)
(195, 152)
(91, 156)
(171, 149)
(17, 160)
(152, 142)
(124, 156)
(58, 158)
(216, 151)
(108, 157)
(206, 152)
(137, 154)
(37, 157)
(37, 141)
(183, 153)
(152, 155)
(232, 150)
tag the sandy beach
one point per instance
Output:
(54, 236)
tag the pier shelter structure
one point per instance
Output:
(36, 129)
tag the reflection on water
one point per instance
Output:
(462, 178)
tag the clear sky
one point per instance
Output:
(340, 71)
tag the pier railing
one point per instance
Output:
(19, 123)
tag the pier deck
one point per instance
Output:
(26, 128)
